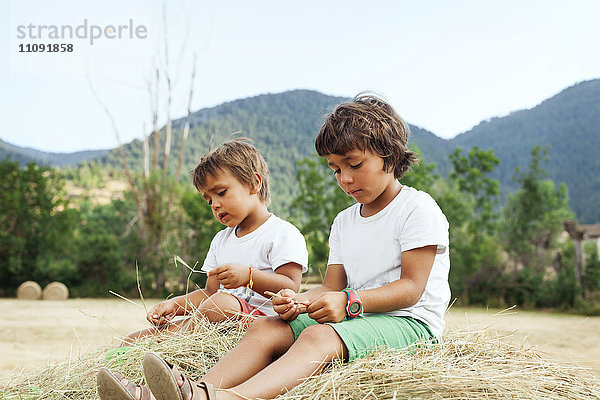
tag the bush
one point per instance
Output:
(591, 276)
(36, 226)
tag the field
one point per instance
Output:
(35, 333)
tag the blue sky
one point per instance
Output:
(444, 65)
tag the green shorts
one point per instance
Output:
(364, 335)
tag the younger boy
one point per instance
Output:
(257, 252)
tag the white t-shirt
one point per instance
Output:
(275, 243)
(369, 248)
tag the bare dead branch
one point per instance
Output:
(186, 127)
(167, 73)
(146, 154)
(131, 224)
(128, 174)
(154, 110)
(184, 134)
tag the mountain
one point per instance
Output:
(283, 126)
(26, 155)
(569, 123)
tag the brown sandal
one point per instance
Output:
(110, 387)
(162, 379)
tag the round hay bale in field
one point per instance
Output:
(29, 290)
(55, 291)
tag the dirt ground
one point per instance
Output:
(34, 333)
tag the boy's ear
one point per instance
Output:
(255, 188)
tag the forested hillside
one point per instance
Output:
(569, 123)
(26, 155)
(283, 127)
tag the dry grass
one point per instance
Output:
(467, 365)
(194, 352)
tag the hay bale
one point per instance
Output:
(29, 290)
(466, 365)
(55, 291)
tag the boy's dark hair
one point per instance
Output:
(241, 159)
(367, 123)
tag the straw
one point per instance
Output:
(271, 294)
(177, 258)
(466, 365)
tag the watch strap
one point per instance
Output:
(352, 299)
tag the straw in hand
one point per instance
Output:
(177, 258)
(299, 304)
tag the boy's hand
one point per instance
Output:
(329, 307)
(285, 303)
(163, 312)
(232, 275)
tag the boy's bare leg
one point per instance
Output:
(216, 308)
(220, 306)
(316, 345)
(252, 359)
(266, 339)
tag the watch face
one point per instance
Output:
(355, 308)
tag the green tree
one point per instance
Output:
(319, 200)
(591, 277)
(421, 176)
(36, 226)
(533, 216)
(104, 249)
(156, 189)
(471, 173)
(457, 211)
(468, 200)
